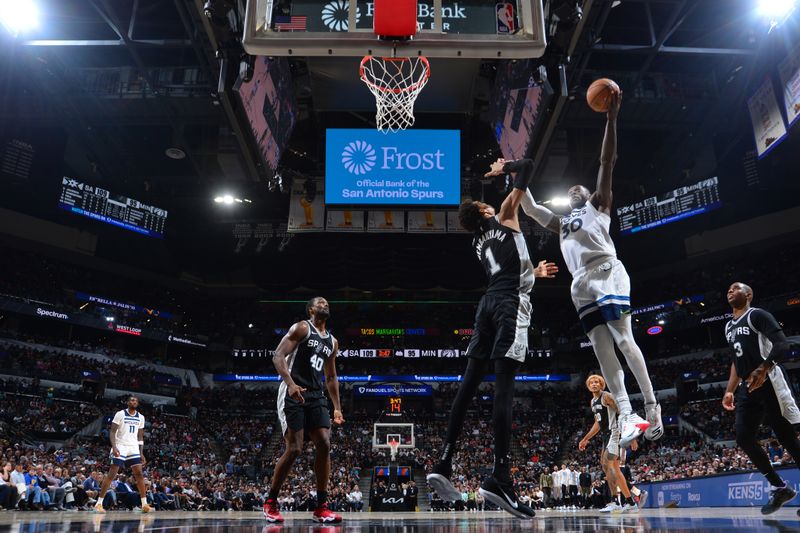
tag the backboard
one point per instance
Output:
(402, 432)
(511, 29)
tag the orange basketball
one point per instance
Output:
(599, 94)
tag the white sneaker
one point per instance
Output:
(630, 508)
(631, 428)
(656, 429)
(610, 508)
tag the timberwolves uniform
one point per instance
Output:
(127, 438)
(504, 312)
(747, 337)
(601, 287)
(609, 428)
(305, 366)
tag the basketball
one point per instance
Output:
(599, 94)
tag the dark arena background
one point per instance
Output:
(178, 178)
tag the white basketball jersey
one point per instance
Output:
(585, 237)
(129, 426)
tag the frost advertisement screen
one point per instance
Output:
(408, 168)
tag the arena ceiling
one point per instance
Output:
(117, 83)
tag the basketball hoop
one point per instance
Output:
(395, 82)
(393, 445)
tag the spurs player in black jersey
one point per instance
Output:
(759, 389)
(306, 362)
(605, 411)
(500, 341)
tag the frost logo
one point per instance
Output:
(358, 157)
(336, 15)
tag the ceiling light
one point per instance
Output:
(227, 199)
(660, 322)
(559, 201)
(175, 153)
(776, 10)
(19, 16)
(218, 199)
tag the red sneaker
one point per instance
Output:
(324, 515)
(272, 513)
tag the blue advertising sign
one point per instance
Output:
(394, 379)
(393, 390)
(409, 167)
(750, 489)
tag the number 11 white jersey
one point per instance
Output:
(129, 426)
(585, 237)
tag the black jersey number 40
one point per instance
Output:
(572, 227)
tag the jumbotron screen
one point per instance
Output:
(680, 203)
(100, 204)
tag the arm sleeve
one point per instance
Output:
(540, 214)
(763, 322)
(524, 171)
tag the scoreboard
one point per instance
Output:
(100, 204)
(675, 205)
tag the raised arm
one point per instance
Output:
(289, 342)
(602, 196)
(332, 384)
(522, 172)
(543, 216)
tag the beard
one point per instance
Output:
(322, 314)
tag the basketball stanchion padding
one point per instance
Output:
(395, 19)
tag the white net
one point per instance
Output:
(395, 82)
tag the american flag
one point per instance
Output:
(283, 23)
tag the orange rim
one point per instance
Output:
(422, 81)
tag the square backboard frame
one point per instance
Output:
(528, 41)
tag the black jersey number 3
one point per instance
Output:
(572, 227)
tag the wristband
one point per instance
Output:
(141, 443)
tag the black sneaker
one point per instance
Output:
(439, 481)
(503, 496)
(777, 498)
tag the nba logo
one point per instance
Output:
(505, 18)
(660, 499)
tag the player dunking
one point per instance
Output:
(500, 341)
(601, 286)
(306, 361)
(758, 345)
(127, 450)
(605, 411)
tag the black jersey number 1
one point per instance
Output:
(494, 268)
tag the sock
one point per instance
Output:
(603, 346)
(273, 494)
(144, 502)
(505, 372)
(622, 331)
(322, 497)
(775, 480)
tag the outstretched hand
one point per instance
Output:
(496, 168)
(545, 269)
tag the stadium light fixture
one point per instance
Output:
(559, 201)
(19, 16)
(776, 10)
(660, 322)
